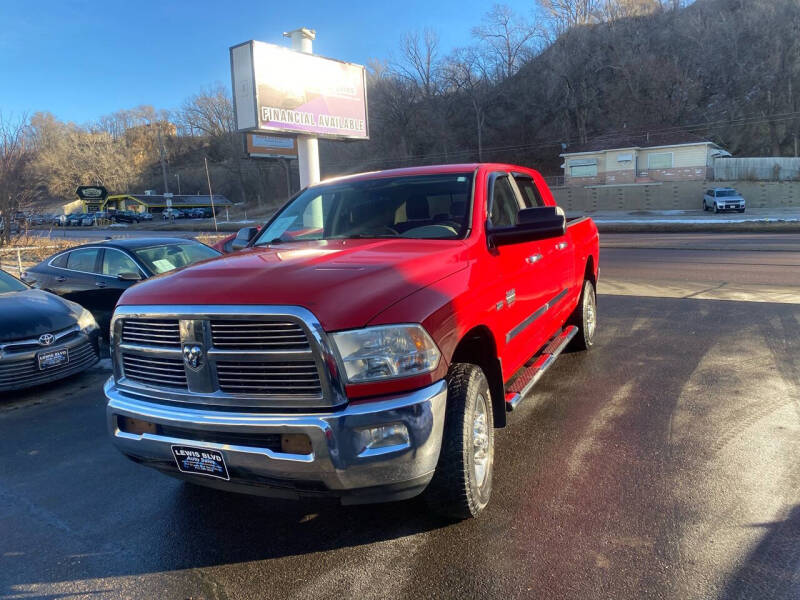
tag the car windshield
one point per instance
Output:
(725, 193)
(10, 284)
(166, 257)
(419, 207)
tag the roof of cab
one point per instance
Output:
(425, 170)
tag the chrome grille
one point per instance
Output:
(252, 357)
(154, 370)
(26, 372)
(258, 335)
(153, 332)
(279, 378)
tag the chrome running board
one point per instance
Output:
(527, 376)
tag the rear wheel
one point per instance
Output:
(584, 318)
(462, 484)
(705, 206)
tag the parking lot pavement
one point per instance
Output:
(662, 464)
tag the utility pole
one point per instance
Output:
(178, 177)
(211, 195)
(307, 146)
(161, 153)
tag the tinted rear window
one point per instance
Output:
(83, 260)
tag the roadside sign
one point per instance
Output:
(260, 145)
(276, 89)
(92, 193)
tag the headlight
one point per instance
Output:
(386, 352)
(86, 320)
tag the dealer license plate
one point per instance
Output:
(200, 461)
(52, 358)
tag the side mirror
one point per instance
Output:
(129, 276)
(243, 237)
(537, 223)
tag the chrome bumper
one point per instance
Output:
(335, 466)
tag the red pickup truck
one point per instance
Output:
(363, 345)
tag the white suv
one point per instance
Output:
(720, 199)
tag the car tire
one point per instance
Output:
(716, 208)
(462, 483)
(705, 206)
(584, 317)
(741, 210)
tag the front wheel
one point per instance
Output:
(716, 208)
(462, 484)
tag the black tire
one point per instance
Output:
(584, 317)
(460, 488)
(705, 208)
(716, 208)
(741, 210)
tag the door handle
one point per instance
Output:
(61, 279)
(561, 245)
(100, 284)
(533, 258)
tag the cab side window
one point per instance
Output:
(530, 193)
(83, 260)
(115, 263)
(504, 205)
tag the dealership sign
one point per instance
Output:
(91, 192)
(276, 89)
(261, 145)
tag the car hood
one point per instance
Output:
(31, 313)
(343, 282)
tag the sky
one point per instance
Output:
(81, 59)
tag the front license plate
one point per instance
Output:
(200, 461)
(53, 358)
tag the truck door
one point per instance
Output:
(523, 292)
(558, 262)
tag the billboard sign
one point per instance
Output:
(276, 89)
(260, 145)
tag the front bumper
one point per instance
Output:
(335, 466)
(19, 370)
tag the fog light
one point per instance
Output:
(383, 436)
(135, 426)
(295, 443)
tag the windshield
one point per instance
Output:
(10, 284)
(725, 193)
(160, 259)
(419, 207)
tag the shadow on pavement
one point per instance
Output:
(773, 568)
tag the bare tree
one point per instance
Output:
(507, 37)
(420, 61)
(16, 187)
(468, 74)
(565, 14)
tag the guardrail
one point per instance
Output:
(20, 249)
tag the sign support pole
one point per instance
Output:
(307, 146)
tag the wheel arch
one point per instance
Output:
(478, 347)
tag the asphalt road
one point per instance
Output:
(662, 464)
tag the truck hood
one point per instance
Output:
(343, 282)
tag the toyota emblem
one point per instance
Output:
(193, 356)
(46, 339)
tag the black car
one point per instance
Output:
(96, 274)
(126, 216)
(42, 337)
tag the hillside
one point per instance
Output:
(728, 70)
